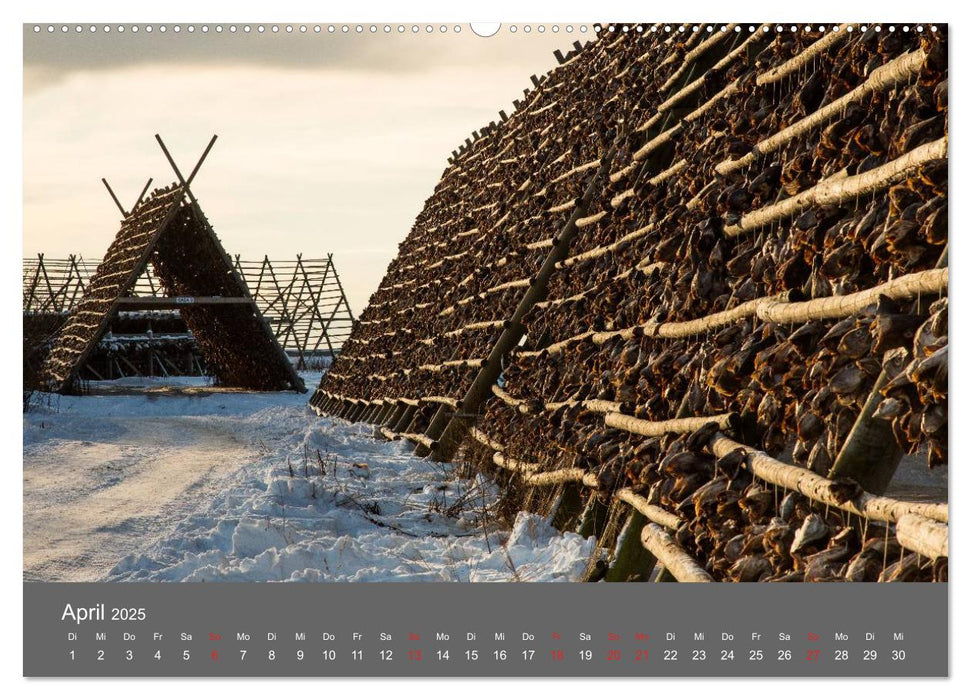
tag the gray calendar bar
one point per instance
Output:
(431, 629)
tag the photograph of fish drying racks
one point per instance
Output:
(690, 298)
(302, 300)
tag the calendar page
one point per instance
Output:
(447, 349)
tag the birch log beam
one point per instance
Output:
(592, 405)
(444, 400)
(795, 63)
(921, 535)
(655, 514)
(420, 439)
(557, 348)
(778, 309)
(685, 329)
(478, 326)
(705, 107)
(485, 440)
(562, 476)
(905, 287)
(887, 76)
(649, 428)
(603, 250)
(692, 55)
(565, 206)
(519, 404)
(645, 266)
(820, 489)
(665, 175)
(515, 465)
(585, 221)
(578, 169)
(671, 556)
(841, 188)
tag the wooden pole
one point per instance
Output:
(389, 408)
(405, 419)
(342, 302)
(195, 170)
(358, 415)
(393, 417)
(594, 518)
(568, 509)
(664, 575)
(374, 414)
(456, 428)
(33, 285)
(631, 558)
(870, 453)
(114, 198)
(142, 194)
(443, 414)
(367, 413)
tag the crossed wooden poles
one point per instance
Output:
(182, 181)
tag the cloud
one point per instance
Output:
(48, 58)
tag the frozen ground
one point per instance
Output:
(194, 484)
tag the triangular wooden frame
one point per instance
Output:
(170, 230)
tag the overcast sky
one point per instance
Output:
(327, 142)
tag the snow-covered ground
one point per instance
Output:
(196, 484)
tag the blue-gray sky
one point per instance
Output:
(327, 142)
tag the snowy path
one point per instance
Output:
(89, 501)
(254, 487)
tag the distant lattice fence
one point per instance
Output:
(302, 299)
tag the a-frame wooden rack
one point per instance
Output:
(169, 230)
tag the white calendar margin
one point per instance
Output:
(562, 11)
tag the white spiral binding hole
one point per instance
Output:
(457, 29)
(779, 28)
